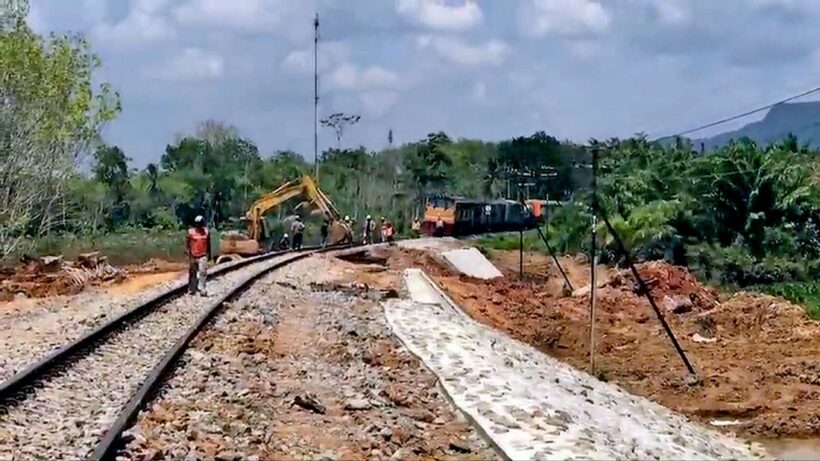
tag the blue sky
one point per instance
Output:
(478, 69)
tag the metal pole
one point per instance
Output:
(555, 259)
(648, 293)
(521, 250)
(520, 198)
(316, 97)
(594, 260)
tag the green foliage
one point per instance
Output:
(805, 293)
(52, 110)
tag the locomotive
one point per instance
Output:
(462, 216)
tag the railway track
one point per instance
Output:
(75, 402)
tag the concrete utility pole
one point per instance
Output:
(316, 96)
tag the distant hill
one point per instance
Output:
(802, 119)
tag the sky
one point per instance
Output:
(487, 69)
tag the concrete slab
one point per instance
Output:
(419, 287)
(437, 244)
(470, 262)
(535, 407)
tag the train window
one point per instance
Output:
(440, 202)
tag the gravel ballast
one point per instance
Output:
(287, 372)
(69, 413)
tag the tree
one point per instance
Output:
(428, 165)
(111, 169)
(217, 172)
(339, 122)
(152, 171)
(50, 112)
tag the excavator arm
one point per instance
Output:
(305, 186)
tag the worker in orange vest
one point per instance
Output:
(198, 249)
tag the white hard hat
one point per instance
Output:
(286, 234)
(368, 216)
(199, 218)
(347, 218)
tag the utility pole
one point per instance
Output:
(316, 96)
(594, 260)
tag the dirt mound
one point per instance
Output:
(51, 276)
(673, 287)
(756, 355)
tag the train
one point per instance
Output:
(461, 216)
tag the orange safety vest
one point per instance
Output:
(198, 242)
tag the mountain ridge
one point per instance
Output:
(801, 119)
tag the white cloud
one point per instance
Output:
(480, 91)
(331, 54)
(436, 14)
(563, 17)
(378, 102)
(672, 12)
(144, 24)
(349, 77)
(245, 15)
(456, 50)
(193, 65)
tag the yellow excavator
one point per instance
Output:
(234, 246)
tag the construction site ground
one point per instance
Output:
(755, 355)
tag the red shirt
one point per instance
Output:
(198, 242)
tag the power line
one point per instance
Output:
(747, 113)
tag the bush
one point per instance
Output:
(806, 293)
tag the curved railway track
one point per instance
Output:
(75, 402)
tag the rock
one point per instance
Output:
(327, 456)
(228, 456)
(253, 458)
(702, 339)
(677, 305)
(581, 292)
(386, 433)
(309, 402)
(357, 405)
(398, 454)
(459, 447)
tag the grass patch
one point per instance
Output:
(509, 241)
(804, 293)
(131, 246)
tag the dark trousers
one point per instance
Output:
(297, 241)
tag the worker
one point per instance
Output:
(284, 242)
(439, 232)
(323, 230)
(383, 229)
(387, 231)
(416, 227)
(198, 250)
(367, 230)
(297, 229)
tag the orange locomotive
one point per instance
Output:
(456, 216)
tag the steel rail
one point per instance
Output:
(107, 447)
(12, 386)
